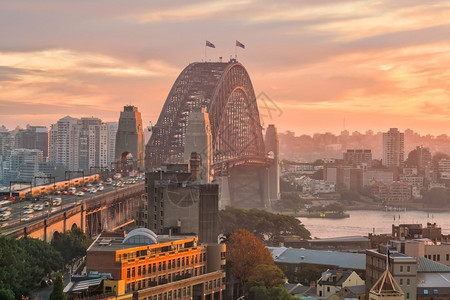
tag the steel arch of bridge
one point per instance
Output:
(226, 91)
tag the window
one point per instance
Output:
(425, 292)
(164, 265)
(188, 292)
(328, 289)
(407, 281)
(408, 269)
(182, 261)
(133, 272)
(407, 295)
(434, 257)
(139, 271)
(128, 273)
(154, 267)
(139, 285)
(144, 269)
(447, 257)
(439, 257)
(159, 266)
(401, 281)
(187, 260)
(401, 268)
(178, 262)
(435, 292)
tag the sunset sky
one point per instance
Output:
(374, 64)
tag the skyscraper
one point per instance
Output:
(393, 148)
(130, 139)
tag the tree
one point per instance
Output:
(268, 227)
(246, 252)
(266, 275)
(278, 292)
(72, 244)
(58, 292)
(24, 263)
(437, 197)
(6, 294)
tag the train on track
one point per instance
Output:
(24, 191)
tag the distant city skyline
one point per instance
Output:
(374, 64)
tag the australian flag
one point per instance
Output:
(239, 44)
(209, 44)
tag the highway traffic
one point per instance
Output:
(18, 213)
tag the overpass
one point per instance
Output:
(104, 211)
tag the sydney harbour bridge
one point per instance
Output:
(239, 156)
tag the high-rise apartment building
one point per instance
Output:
(82, 144)
(358, 157)
(393, 148)
(34, 137)
(23, 164)
(60, 141)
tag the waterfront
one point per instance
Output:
(363, 222)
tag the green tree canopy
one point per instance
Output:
(72, 244)
(266, 275)
(58, 290)
(278, 292)
(24, 263)
(265, 225)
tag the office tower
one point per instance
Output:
(130, 139)
(177, 202)
(393, 148)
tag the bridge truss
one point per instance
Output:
(226, 91)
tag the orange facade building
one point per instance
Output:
(150, 267)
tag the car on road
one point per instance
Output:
(57, 201)
(65, 192)
(79, 194)
(100, 188)
(39, 207)
(28, 211)
(28, 206)
(57, 193)
(26, 218)
(46, 203)
(4, 217)
(92, 190)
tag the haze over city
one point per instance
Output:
(374, 64)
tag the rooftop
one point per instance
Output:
(425, 265)
(139, 237)
(433, 280)
(332, 258)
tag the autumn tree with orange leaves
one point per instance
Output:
(245, 252)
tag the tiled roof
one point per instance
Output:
(354, 261)
(426, 265)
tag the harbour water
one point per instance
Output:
(363, 222)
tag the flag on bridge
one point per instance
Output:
(209, 44)
(239, 44)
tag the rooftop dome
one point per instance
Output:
(141, 236)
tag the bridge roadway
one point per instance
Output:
(104, 210)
